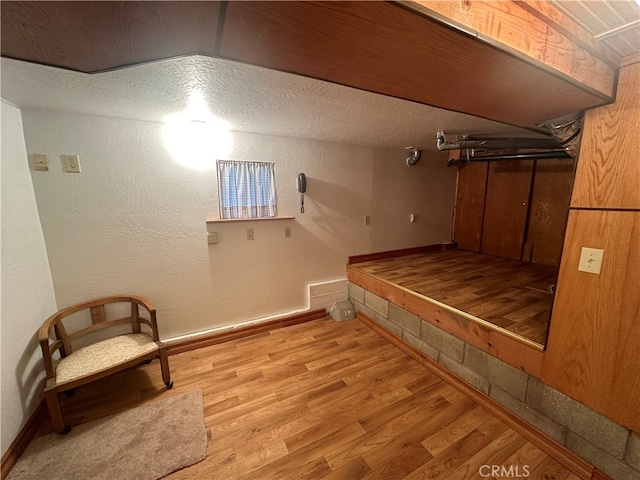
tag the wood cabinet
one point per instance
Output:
(594, 337)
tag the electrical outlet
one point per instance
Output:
(287, 232)
(71, 163)
(212, 238)
(249, 233)
(591, 260)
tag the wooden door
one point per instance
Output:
(469, 212)
(549, 210)
(506, 208)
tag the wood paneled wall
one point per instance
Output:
(594, 337)
(608, 175)
(514, 209)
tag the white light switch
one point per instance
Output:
(212, 238)
(40, 162)
(591, 260)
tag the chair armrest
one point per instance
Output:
(152, 314)
(44, 341)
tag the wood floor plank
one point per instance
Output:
(321, 400)
(499, 290)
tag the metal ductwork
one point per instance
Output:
(480, 148)
(467, 142)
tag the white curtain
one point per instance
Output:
(246, 189)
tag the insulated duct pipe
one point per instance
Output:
(517, 156)
(494, 143)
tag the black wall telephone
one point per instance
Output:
(302, 187)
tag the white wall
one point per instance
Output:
(134, 219)
(27, 289)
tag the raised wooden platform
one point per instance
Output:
(499, 305)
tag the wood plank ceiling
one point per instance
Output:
(615, 23)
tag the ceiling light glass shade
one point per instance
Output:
(195, 138)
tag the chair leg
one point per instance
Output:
(51, 397)
(164, 365)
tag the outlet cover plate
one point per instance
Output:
(71, 163)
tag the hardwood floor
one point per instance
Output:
(510, 294)
(323, 400)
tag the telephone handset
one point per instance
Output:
(302, 183)
(302, 188)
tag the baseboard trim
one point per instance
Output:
(548, 445)
(235, 333)
(19, 445)
(369, 257)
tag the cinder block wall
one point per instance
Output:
(612, 448)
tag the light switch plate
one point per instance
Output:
(591, 260)
(40, 162)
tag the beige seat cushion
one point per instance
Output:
(104, 354)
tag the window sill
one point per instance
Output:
(233, 220)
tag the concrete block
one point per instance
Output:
(498, 373)
(446, 343)
(356, 293)
(542, 422)
(632, 452)
(390, 326)
(613, 467)
(405, 320)
(361, 308)
(376, 303)
(420, 345)
(579, 419)
(471, 377)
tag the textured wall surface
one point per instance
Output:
(134, 219)
(27, 290)
(253, 99)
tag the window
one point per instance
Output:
(246, 189)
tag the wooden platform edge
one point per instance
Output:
(369, 257)
(548, 445)
(26, 434)
(502, 344)
(181, 346)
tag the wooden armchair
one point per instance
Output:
(97, 359)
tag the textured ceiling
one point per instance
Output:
(251, 99)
